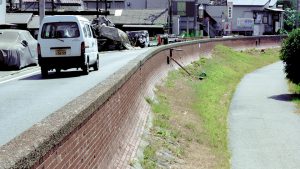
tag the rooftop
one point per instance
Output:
(18, 18)
(137, 17)
(254, 2)
(122, 17)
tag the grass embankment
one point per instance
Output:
(295, 90)
(190, 116)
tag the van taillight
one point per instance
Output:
(39, 49)
(82, 48)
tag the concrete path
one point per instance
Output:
(264, 130)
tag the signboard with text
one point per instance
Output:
(227, 26)
(245, 22)
(229, 9)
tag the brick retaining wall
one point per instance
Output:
(102, 128)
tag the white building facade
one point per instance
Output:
(2, 11)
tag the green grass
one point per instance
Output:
(212, 99)
(161, 129)
(295, 89)
(214, 94)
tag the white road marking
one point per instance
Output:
(19, 77)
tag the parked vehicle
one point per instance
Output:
(139, 38)
(109, 37)
(162, 39)
(66, 42)
(18, 49)
(172, 38)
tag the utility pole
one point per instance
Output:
(195, 18)
(10, 5)
(105, 1)
(201, 18)
(52, 4)
(97, 8)
(170, 16)
(41, 10)
(20, 5)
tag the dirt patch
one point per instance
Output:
(192, 140)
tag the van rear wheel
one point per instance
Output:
(86, 68)
(44, 72)
(96, 65)
(58, 70)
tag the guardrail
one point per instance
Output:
(102, 127)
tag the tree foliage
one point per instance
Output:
(290, 16)
(290, 55)
(287, 3)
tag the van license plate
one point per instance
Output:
(60, 52)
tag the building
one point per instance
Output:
(194, 17)
(111, 4)
(256, 17)
(2, 12)
(56, 5)
(208, 23)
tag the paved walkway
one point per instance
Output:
(264, 130)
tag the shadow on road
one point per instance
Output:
(286, 97)
(54, 75)
(14, 68)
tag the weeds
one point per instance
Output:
(206, 120)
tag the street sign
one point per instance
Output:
(245, 23)
(229, 9)
(227, 26)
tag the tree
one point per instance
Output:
(290, 16)
(290, 56)
(287, 3)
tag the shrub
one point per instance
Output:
(290, 55)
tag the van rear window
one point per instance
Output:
(60, 30)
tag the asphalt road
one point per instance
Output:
(26, 98)
(264, 128)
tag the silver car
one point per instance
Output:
(18, 49)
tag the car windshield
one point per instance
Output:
(55, 30)
(7, 36)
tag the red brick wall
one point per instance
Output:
(109, 137)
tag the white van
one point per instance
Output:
(66, 42)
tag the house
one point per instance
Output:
(153, 20)
(256, 17)
(182, 13)
(56, 5)
(245, 17)
(146, 4)
(111, 4)
(209, 24)
(218, 16)
(2, 13)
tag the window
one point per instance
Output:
(89, 33)
(265, 20)
(181, 8)
(60, 30)
(92, 31)
(259, 18)
(84, 31)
